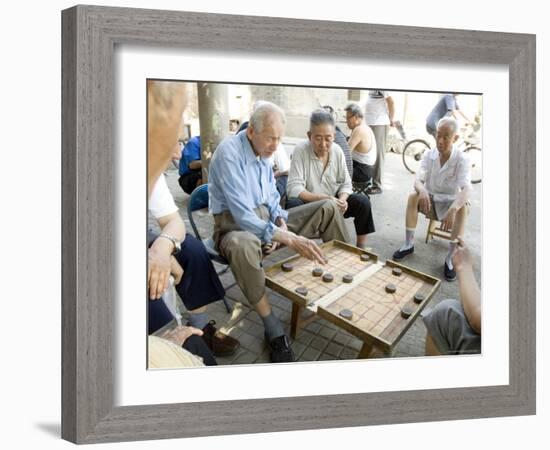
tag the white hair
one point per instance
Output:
(354, 109)
(264, 111)
(449, 122)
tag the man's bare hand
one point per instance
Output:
(449, 220)
(424, 202)
(159, 271)
(176, 270)
(307, 248)
(180, 334)
(462, 258)
(342, 205)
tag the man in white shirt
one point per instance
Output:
(195, 278)
(318, 172)
(379, 112)
(442, 187)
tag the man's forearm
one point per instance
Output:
(391, 108)
(343, 196)
(308, 197)
(461, 199)
(419, 187)
(470, 296)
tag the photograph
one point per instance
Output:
(296, 224)
(309, 218)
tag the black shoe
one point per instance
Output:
(373, 190)
(400, 254)
(279, 349)
(219, 343)
(450, 274)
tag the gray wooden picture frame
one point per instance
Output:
(90, 34)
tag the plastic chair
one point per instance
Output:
(198, 201)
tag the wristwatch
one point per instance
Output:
(177, 245)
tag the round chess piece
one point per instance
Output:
(396, 271)
(347, 278)
(364, 257)
(406, 312)
(287, 267)
(346, 314)
(327, 277)
(390, 288)
(301, 290)
(317, 272)
(418, 298)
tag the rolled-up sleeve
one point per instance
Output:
(464, 172)
(296, 183)
(422, 173)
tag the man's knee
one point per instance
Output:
(329, 206)
(413, 198)
(243, 245)
(463, 211)
(442, 319)
(362, 202)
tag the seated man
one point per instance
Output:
(362, 145)
(442, 187)
(454, 327)
(279, 161)
(318, 172)
(190, 166)
(185, 257)
(248, 218)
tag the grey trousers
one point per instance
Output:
(380, 136)
(449, 328)
(243, 249)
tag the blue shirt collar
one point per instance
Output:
(249, 154)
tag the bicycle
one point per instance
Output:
(414, 151)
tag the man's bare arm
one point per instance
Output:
(355, 139)
(391, 109)
(470, 294)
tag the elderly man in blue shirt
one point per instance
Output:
(248, 220)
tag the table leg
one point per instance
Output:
(365, 350)
(295, 318)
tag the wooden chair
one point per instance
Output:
(434, 229)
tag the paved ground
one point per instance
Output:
(321, 340)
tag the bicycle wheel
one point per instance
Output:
(474, 154)
(412, 154)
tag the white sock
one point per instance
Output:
(409, 239)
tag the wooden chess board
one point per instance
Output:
(376, 314)
(342, 258)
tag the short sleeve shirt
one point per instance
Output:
(444, 182)
(161, 202)
(376, 108)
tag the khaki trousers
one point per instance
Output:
(243, 250)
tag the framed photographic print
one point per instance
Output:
(109, 56)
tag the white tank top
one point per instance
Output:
(368, 158)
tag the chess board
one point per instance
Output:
(376, 315)
(343, 259)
